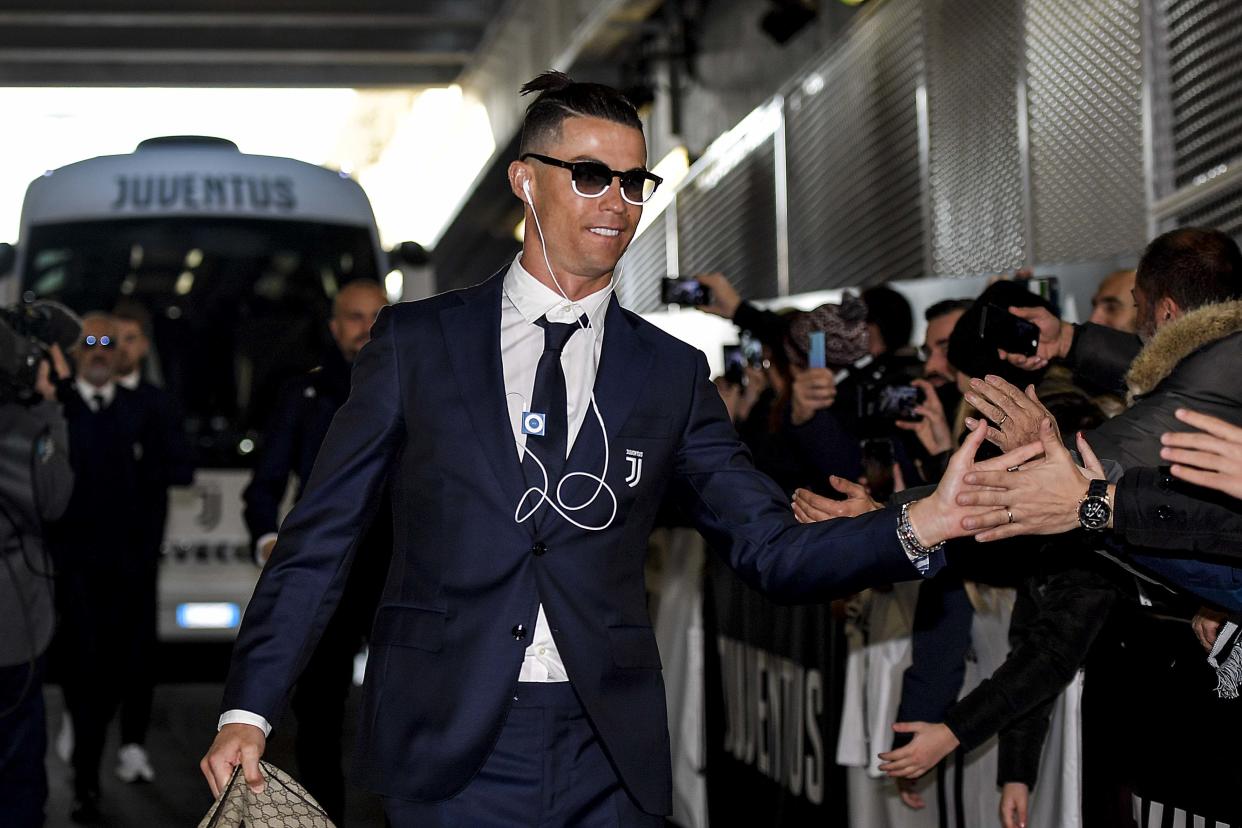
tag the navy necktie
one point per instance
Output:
(550, 399)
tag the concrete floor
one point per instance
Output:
(182, 726)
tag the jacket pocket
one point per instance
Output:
(634, 647)
(405, 625)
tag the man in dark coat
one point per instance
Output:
(173, 465)
(102, 570)
(304, 410)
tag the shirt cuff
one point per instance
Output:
(244, 717)
(258, 547)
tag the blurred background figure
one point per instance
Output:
(299, 423)
(1113, 304)
(36, 481)
(171, 465)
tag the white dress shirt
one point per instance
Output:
(90, 392)
(525, 301)
(131, 380)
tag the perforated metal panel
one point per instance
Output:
(728, 223)
(1202, 43)
(975, 169)
(852, 144)
(645, 263)
(1084, 75)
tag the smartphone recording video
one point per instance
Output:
(999, 328)
(684, 292)
(890, 402)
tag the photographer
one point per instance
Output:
(35, 484)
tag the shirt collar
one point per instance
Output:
(89, 392)
(533, 299)
(131, 380)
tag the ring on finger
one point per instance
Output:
(1010, 515)
(1001, 421)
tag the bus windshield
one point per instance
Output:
(237, 306)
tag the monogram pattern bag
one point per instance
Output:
(283, 804)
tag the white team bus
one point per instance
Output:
(237, 258)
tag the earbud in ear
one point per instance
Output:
(526, 189)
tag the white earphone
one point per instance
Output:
(558, 504)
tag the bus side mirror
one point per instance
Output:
(8, 257)
(407, 254)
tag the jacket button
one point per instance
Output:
(539, 549)
(1164, 513)
(519, 632)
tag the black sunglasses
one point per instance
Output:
(591, 179)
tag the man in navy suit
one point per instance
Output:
(530, 428)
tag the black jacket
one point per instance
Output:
(1189, 363)
(304, 410)
(1157, 511)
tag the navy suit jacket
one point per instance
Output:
(427, 412)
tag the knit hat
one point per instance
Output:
(845, 333)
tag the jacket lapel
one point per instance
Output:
(623, 368)
(472, 336)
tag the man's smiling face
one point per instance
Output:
(585, 237)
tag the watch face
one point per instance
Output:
(1094, 513)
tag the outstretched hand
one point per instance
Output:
(940, 516)
(1210, 457)
(809, 507)
(931, 743)
(1034, 496)
(1016, 414)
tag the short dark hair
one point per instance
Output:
(130, 311)
(945, 307)
(1193, 266)
(561, 97)
(890, 312)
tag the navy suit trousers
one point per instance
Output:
(548, 769)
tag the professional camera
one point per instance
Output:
(27, 333)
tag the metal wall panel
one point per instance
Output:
(645, 263)
(726, 220)
(976, 194)
(1222, 212)
(852, 144)
(1084, 98)
(1203, 43)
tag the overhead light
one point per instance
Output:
(394, 285)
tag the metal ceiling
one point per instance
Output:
(295, 43)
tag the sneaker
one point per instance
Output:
(133, 764)
(64, 739)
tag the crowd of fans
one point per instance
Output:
(1138, 617)
(1133, 618)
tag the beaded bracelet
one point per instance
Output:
(909, 540)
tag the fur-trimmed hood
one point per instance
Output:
(1179, 339)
